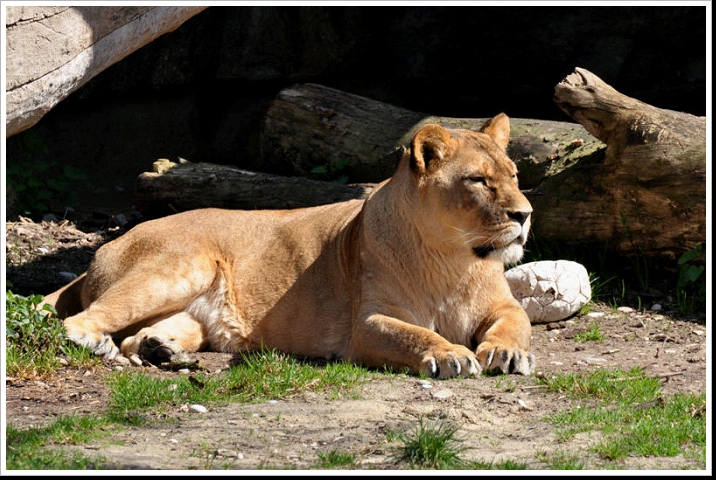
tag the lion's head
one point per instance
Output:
(467, 189)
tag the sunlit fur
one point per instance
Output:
(412, 277)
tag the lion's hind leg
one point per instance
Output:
(167, 340)
(136, 300)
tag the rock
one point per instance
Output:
(550, 290)
(196, 408)
(425, 384)
(592, 360)
(121, 360)
(442, 394)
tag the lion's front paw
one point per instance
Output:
(450, 362)
(505, 360)
(100, 344)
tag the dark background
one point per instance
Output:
(200, 92)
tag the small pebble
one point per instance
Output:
(592, 360)
(135, 360)
(121, 360)
(656, 307)
(625, 309)
(445, 393)
(197, 408)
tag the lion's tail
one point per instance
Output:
(67, 300)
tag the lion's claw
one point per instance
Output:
(508, 360)
(450, 363)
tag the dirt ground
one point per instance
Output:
(500, 418)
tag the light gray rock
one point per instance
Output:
(550, 290)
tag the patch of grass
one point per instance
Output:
(334, 459)
(208, 458)
(561, 461)
(26, 448)
(691, 286)
(592, 334)
(503, 465)
(36, 339)
(270, 374)
(631, 413)
(431, 445)
(261, 376)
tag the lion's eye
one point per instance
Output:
(477, 179)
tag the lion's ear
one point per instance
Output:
(498, 127)
(430, 143)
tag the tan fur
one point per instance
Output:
(411, 277)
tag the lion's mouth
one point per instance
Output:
(482, 252)
(485, 250)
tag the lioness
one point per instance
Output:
(412, 276)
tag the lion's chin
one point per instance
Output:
(509, 254)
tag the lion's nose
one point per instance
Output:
(520, 217)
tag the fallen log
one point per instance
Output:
(642, 192)
(52, 51)
(648, 192)
(178, 186)
(309, 126)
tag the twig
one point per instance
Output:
(661, 375)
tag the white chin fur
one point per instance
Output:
(512, 253)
